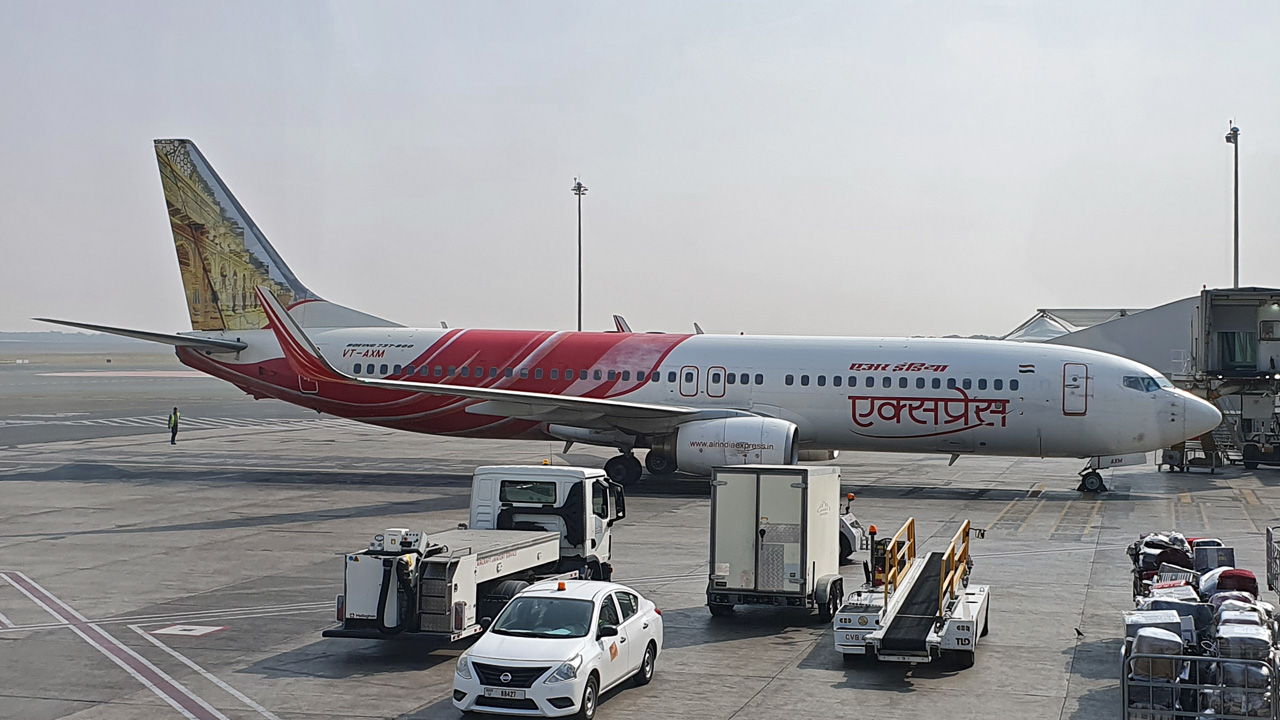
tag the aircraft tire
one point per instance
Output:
(625, 470)
(658, 464)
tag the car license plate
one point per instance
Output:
(505, 693)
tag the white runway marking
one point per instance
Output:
(192, 616)
(153, 678)
(5, 621)
(188, 630)
(206, 674)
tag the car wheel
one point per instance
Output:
(719, 610)
(645, 673)
(590, 696)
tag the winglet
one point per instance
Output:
(303, 356)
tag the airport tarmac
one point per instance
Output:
(139, 579)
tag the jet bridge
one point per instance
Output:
(925, 607)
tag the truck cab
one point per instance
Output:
(580, 504)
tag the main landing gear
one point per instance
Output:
(624, 469)
(658, 464)
(1091, 481)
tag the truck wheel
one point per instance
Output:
(828, 609)
(964, 658)
(590, 696)
(496, 599)
(719, 610)
(846, 549)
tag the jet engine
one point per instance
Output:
(704, 444)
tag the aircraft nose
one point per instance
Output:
(1200, 416)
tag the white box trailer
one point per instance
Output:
(528, 523)
(775, 538)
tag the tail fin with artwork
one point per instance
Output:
(224, 256)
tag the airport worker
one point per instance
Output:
(174, 417)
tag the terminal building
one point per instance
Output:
(1223, 345)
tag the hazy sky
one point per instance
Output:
(788, 167)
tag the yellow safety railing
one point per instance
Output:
(955, 568)
(900, 553)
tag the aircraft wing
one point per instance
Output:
(306, 359)
(202, 343)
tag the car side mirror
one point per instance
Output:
(607, 631)
(485, 622)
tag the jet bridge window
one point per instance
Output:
(1141, 384)
(525, 491)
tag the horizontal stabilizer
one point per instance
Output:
(202, 343)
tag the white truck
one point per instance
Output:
(527, 523)
(925, 606)
(775, 538)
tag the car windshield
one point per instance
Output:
(1146, 383)
(547, 617)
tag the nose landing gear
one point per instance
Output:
(624, 469)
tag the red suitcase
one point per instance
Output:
(1237, 579)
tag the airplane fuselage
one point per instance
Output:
(879, 394)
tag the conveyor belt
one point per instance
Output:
(910, 626)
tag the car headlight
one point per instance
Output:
(567, 671)
(464, 667)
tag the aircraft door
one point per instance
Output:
(715, 382)
(689, 381)
(1075, 389)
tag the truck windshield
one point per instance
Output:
(523, 491)
(545, 617)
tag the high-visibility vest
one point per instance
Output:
(173, 420)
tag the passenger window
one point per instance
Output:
(382, 369)
(853, 381)
(640, 376)
(510, 372)
(655, 376)
(967, 384)
(822, 381)
(368, 369)
(886, 381)
(1013, 384)
(671, 376)
(582, 375)
(613, 375)
(452, 370)
(790, 379)
(627, 603)
(951, 383)
(759, 379)
(464, 371)
(902, 382)
(537, 373)
(715, 378)
(744, 378)
(920, 383)
(493, 372)
(871, 381)
(836, 380)
(479, 372)
(997, 384)
(982, 384)
(804, 380)
(568, 375)
(937, 383)
(598, 374)
(409, 370)
(608, 613)
(688, 376)
(555, 374)
(395, 370)
(626, 375)
(730, 378)
(357, 368)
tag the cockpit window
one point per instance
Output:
(1145, 384)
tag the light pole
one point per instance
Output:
(579, 189)
(1233, 137)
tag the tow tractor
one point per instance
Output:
(528, 523)
(913, 609)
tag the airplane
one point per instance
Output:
(692, 402)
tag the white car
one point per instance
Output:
(556, 647)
